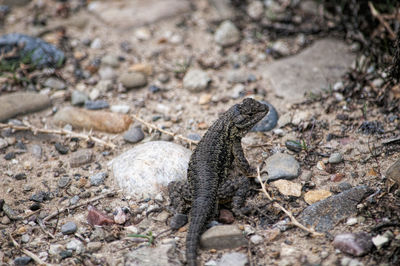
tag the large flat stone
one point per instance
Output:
(133, 13)
(317, 67)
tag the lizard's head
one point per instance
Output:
(248, 113)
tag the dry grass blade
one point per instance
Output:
(38, 260)
(377, 15)
(288, 213)
(152, 126)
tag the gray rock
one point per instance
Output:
(269, 121)
(168, 161)
(336, 157)
(24, 260)
(134, 134)
(160, 255)
(223, 236)
(69, 228)
(196, 80)
(110, 60)
(63, 181)
(78, 97)
(355, 244)
(93, 247)
(42, 54)
(324, 214)
(96, 105)
(62, 149)
(25, 238)
(98, 179)
(55, 83)
(76, 245)
(321, 64)
(227, 34)
(233, 259)
(132, 79)
(81, 157)
(55, 249)
(74, 200)
(21, 103)
(282, 165)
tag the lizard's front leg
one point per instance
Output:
(240, 159)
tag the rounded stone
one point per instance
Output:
(336, 157)
(134, 134)
(133, 79)
(98, 179)
(282, 165)
(227, 34)
(196, 80)
(78, 97)
(143, 170)
(68, 228)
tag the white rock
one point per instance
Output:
(121, 108)
(76, 245)
(227, 34)
(379, 241)
(351, 221)
(233, 258)
(256, 239)
(96, 44)
(143, 170)
(255, 10)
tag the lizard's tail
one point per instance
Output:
(200, 212)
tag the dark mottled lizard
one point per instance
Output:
(211, 161)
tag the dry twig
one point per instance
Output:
(288, 213)
(54, 214)
(72, 134)
(152, 126)
(38, 260)
(377, 15)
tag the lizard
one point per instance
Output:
(210, 162)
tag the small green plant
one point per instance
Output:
(149, 236)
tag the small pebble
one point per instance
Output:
(20, 176)
(25, 238)
(68, 228)
(74, 200)
(256, 239)
(96, 105)
(3, 143)
(9, 156)
(355, 244)
(336, 157)
(123, 109)
(380, 240)
(226, 216)
(178, 220)
(78, 97)
(24, 260)
(227, 34)
(36, 151)
(61, 148)
(98, 179)
(35, 206)
(351, 221)
(134, 134)
(63, 181)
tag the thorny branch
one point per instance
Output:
(288, 213)
(36, 130)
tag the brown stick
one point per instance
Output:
(288, 213)
(36, 130)
(377, 15)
